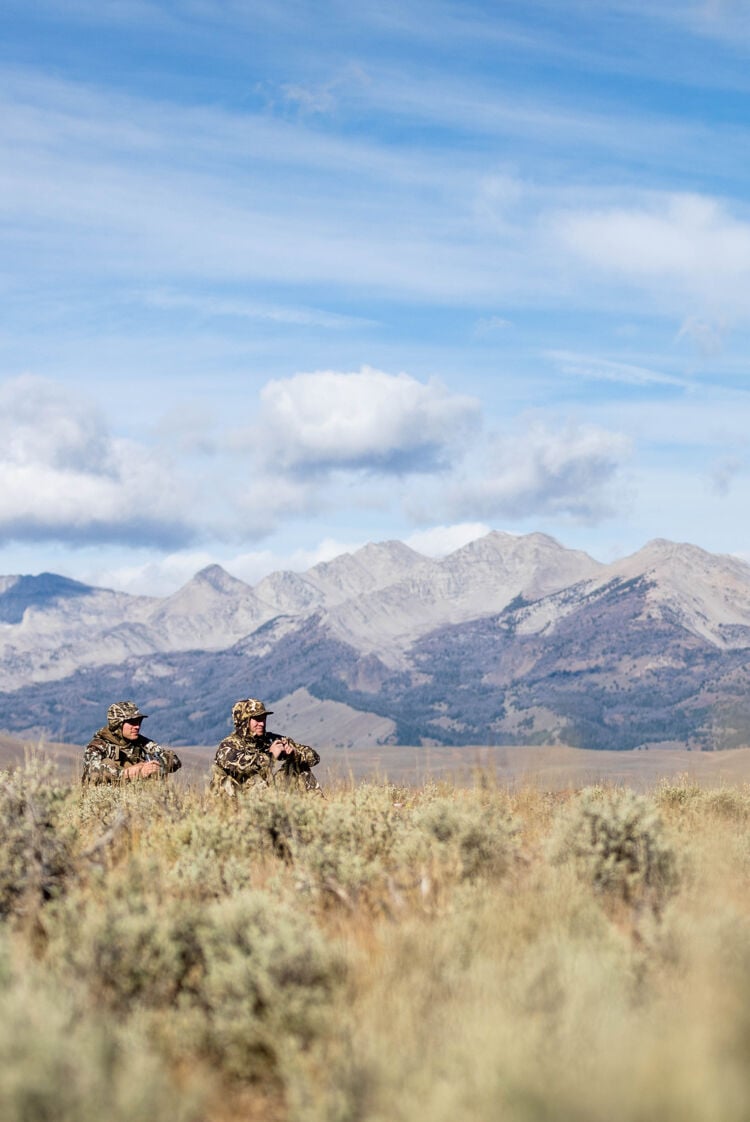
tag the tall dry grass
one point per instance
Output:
(383, 954)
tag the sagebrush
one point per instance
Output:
(425, 953)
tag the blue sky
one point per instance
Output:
(278, 280)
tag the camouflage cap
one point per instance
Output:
(249, 707)
(122, 711)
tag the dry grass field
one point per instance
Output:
(547, 767)
(551, 768)
(551, 944)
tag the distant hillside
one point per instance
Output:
(14, 751)
(510, 640)
(20, 593)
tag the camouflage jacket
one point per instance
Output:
(247, 761)
(108, 753)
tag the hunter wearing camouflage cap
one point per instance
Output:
(118, 751)
(252, 757)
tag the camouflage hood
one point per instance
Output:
(243, 710)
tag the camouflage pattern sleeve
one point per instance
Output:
(295, 764)
(304, 755)
(100, 764)
(242, 760)
(167, 759)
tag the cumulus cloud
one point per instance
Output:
(545, 473)
(65, 477)
(367, 421)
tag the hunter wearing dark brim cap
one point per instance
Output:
(252, 757)
(119, 752)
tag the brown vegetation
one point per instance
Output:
(391, 951)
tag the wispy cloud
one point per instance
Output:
(707, 337)
(723, 473)
(439, 541)
(593, 368)
(692, 243)
(195, 193)
(209, 306)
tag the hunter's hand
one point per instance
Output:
(280, 747)
(142, 771)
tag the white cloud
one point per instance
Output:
(439, 541)
(593, 368)
(209, 305)
(369, 421)
(545, 472)
(707, 337)
(724, 472)
(690, 241)
(488, 324)
(264, 498)
(161, 576)
(311, 99)
(64, 476)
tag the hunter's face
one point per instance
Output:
(257, 725)
(131, 729)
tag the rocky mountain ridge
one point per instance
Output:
(507, 640)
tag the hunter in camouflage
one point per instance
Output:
(119, 752)
(252, 757)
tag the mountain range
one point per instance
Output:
(508, 640)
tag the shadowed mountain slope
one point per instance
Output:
(506, 641)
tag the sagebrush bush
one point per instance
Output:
(266, 987)
(127, 939)
(478, 837)
(244, 980)
(187, 947)
(144, 804)
(63, 1063)
(732, 804)
(615, 838)
(678, 793)
(36, 851)
(345, 846)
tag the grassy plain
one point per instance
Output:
(550, 767)
(505, 946)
